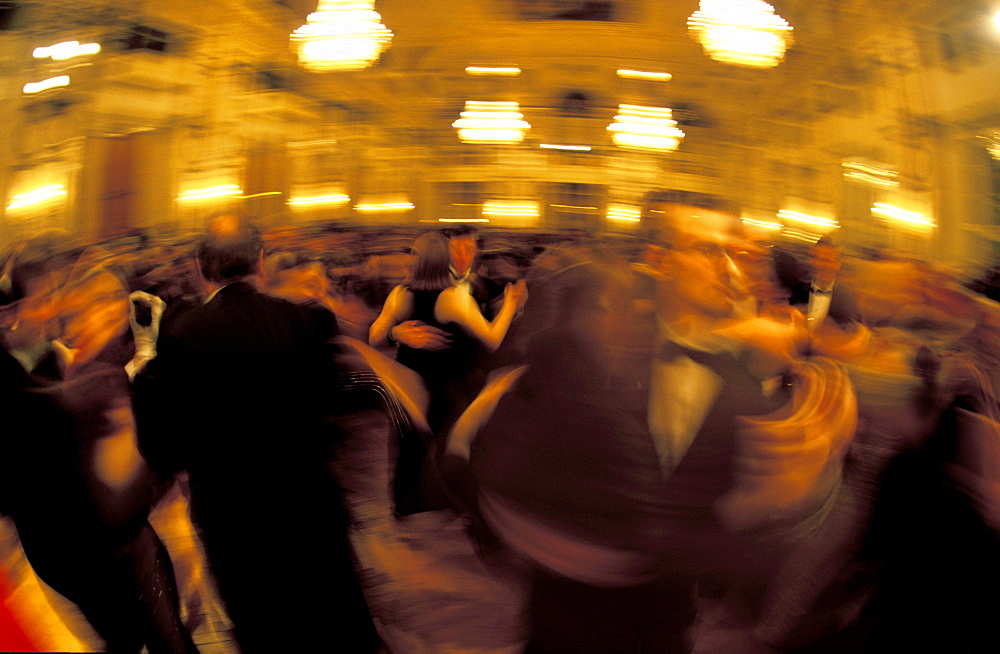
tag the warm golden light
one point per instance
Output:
(341, 35)
(624, 213)
(500, 71)
(904, 217)
(223, 190)
(50, 83)
(761, 224)
(865, 172)
(491, 122)
(384, 207)
(645, 128)
(66, 50)
(37, 196)
(807, 219)
(993, 144)
(325, 200)
(569, 148)
(741, 32)
(627, 73)
(514, 209)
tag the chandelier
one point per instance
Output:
(645, 128)
(741, 32)
(341, 35)
(491, 122)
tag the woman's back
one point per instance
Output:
(449, 373)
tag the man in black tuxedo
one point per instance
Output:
(811, 286)
(236, 397)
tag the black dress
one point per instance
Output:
(454, 375)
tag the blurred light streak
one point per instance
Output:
(624, 213)
(761, 224)
(645, 128)
(806, 219)
(627, 73)
(66, 50)
(341, 35)
(222, 190)
(908, 218)
(260, 195)
(384, 207)
(500, 71)
(741, 32)
(491, 122)
(333, 199)
(570, 148)
(37, 196)
(869, 173)
(525, 209)
(50, 83)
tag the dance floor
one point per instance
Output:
(428, 589)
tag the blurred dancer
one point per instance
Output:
(236, 396)
(463, 248)
(682, 377)
(77, 490)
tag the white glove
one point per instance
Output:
(144, 335)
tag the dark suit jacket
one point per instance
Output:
(236, 392)
(236, 396)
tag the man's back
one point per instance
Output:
(236, 397)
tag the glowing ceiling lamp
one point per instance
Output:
(341, 35)
(645, 128)
(741, 32)
(491, 122)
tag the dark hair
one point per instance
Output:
(460, 230)
(825, 241)
(430, 268)
(230, 249)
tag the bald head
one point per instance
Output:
(230, 249)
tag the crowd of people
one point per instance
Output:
(687, 428)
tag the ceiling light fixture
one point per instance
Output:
(491, 122)
(741, 32)
(341, 35)
(645, 128)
